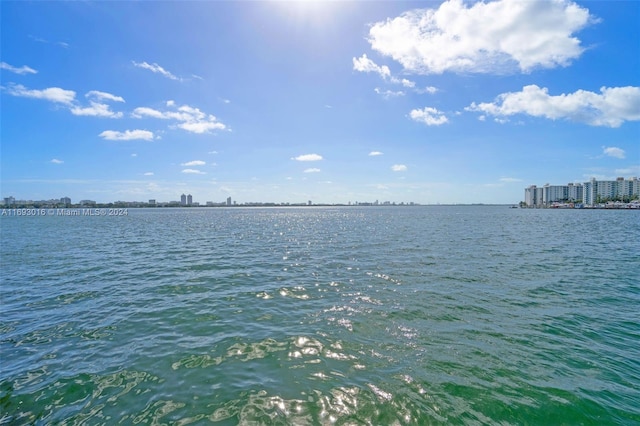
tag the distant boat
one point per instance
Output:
(513, 207)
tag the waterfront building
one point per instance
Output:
(228, 201)
(65, 201)
(533, 196)
(183, 200)
(554, 193)
(574, 192)
(589, 193)
(189, 200)
(569, 193)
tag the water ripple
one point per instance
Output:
(426, 315)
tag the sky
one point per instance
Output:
(332, 102)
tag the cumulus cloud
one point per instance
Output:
(485, 37)
(613, 151)
(429, 89)
(388, 93)
(364, 64)
(18, 70)
(155, 68)
(56, 161)
(405, 82)
(399, 168)
(148, 173)
(193, 172)
(312, 170)
(611, 107)
(194, 163)
(52, 94)
(189, 118)
(429, 116)
(103, 96)
(374, 153)
(127, 135)
(308, 157)
(96, 109)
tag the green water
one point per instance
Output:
(348, 316)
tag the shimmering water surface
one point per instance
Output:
(304, 316)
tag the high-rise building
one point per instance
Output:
(533, 196)
(189, 200)
(183, 200)
(589, 193)
(561, 193)
(228, 201)
(574, 192)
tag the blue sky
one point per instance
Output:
(430, 102)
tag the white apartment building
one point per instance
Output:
(533, 196)
(597, 191)
(589, 193)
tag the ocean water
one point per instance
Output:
(424, 315)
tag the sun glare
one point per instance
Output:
(306, 11)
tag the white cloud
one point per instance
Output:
(429, 116)
(56, 161)
(485, 37)
(52, 94)
(127, 135)
(22, 70)
(156, 69)
(374, 153)
(41, 40)
(613, 151)
(510, 179)
(141, 112)
(407, 83)
(171, 103)
(610, 108)
(148, 173)
(308, 157)
(189, 118)
(194, 163)
(312, 170)
(429, 89)
(103, 96)
(96, 110)
(364, 64)
(388, 93)
(629, 171)
(193, 172)
(399, 168)
(201, 126)
(134, 155)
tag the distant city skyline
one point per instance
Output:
(185, 201)
(334, 102)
